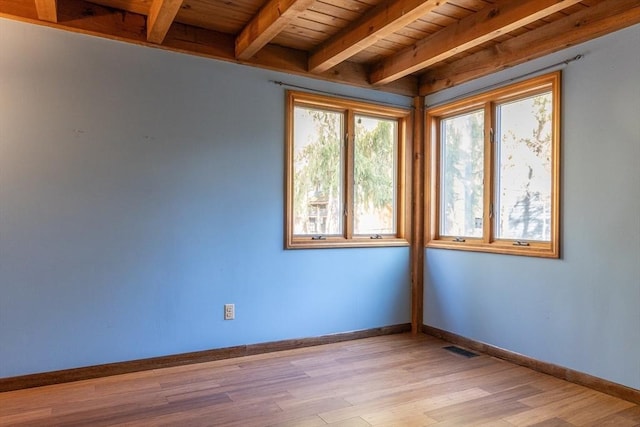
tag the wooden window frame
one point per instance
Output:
(350, 109)
(487, 101)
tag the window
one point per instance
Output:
(494, 170)
(345, 173)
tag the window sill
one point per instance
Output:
(540, 250)
(339, 242)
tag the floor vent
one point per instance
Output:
(460, 351)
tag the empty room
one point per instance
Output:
(304, 213)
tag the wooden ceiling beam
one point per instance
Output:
(161, 16)
(487, 24)
(385, 19)
(47, 10)
(588, 24)
(267, 24)
(215, 45)
(83, 17)
(89, 18)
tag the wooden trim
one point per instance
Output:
(267, 24)
(483, 26)
(341, 242)
(348, 151)
(339, 104)
(161, 16)
(99, 371)
(430, 178)
(417, 211)
(404, 176)
(381, 21)
(556, 159)
(47, 10)
(539, 250)
(488, 222)
(567, 374)
(590, 23)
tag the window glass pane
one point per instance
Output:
(524, 169)
(375, 175)
(462, 172)
(317, 169)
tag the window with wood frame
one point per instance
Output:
(346, 173)
(494, 168)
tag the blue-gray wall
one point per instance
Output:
(582, 311)
(140, 190)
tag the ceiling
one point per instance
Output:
(410, 47)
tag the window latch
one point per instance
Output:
(376, 236)
(318, 238)
(459, 239)
(520, 243)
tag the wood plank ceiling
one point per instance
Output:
(411, 47)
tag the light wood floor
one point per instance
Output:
(395, 380)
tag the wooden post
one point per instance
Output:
(417, 217)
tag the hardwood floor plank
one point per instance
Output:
(582, 400)
(614, 420)
(601, 404)
(415, 410)
(547, 397)
(485, 408)
(314, 421)
(392, 419)
(493, 423)
(440, 396)
(25, 417)
(632, 413)
(315, 405)
(449, 383)
(387, 381)
(352, 422)
(553, 422)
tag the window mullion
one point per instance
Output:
(489, 155)
(349, 150)
(400, 185)
(433, 171)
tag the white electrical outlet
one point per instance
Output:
(229, 311)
